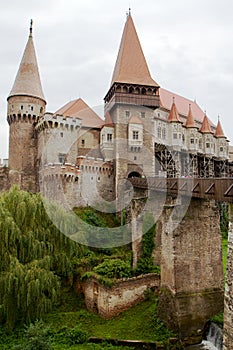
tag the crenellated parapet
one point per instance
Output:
(72, 172)
(94, 165)
(55, 121)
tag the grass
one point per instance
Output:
(137, 323)
(133, 324)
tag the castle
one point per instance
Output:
(75, 155)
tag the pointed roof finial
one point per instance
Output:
(174, 115)
(219, 131)
(31, 23)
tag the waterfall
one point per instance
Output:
(213, 342)
(215, 336)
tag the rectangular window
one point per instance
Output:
(109, 137)
(207, 145)
(192, 141)
(221, 149)
(143, 114)
(135, 135)
(82, 142)
(61, 158)
(175, 136)
(127, 114)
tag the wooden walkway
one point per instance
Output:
(220, 189)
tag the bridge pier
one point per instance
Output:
(191, 269)
(228, 301)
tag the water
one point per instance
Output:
(205, 345)
(213, 342)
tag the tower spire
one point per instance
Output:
(174, 115)
(131, 66)
(219, 131)
(27, 81)
(205, 127)
(190, 122)
(31, 23)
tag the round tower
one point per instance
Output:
(26, 104)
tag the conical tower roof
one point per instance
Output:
(174, 115)
(27, 81)
(131, 66)
(205, 127)
(190, 122)
(219, 131)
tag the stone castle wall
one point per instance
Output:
(228, 302)
(89, 182)
(191, 268)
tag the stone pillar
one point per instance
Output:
(191, 269)
(228, 302)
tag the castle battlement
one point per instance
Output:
(50, 120)
(72, 172)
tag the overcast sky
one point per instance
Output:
(188, 46)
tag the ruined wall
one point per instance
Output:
(109, 302)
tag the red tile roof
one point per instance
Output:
(190, 122)
(135, 120)
(205, 127)
(131, 66)
(79, 109)
(108, 120)
(219, 131)
(174, 115)
(182, 104)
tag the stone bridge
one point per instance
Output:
(189, 250)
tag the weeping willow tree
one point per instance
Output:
(34, 257)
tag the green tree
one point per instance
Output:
(35, 256)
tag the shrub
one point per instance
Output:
(76, 335)
(37, 336)
(113, 268)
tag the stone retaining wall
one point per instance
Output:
(109, 302)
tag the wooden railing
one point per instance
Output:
(220, 189)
